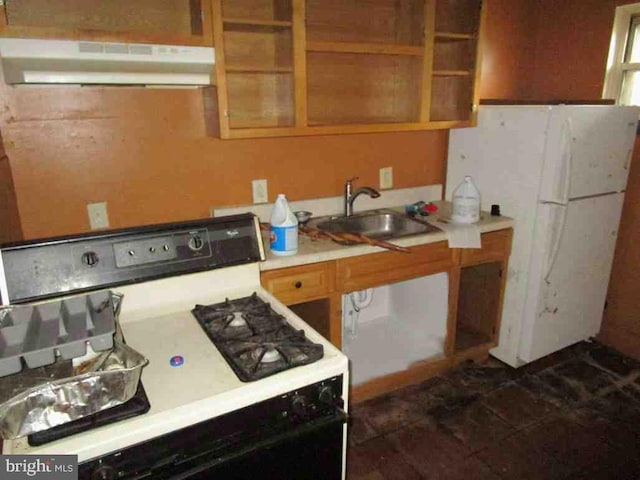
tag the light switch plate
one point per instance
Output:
(98, 215)
(260, 192)
(386, 177)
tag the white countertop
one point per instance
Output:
(314, 251)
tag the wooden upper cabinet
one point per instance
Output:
(254, 64)
(305, 67)
(170, 22)
(456, 60)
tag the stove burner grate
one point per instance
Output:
(262, 344)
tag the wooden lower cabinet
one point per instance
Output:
(309, 291)
(476, 282)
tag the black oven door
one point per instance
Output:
(309, 452)
(298, 435)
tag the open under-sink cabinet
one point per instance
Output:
(463, 326)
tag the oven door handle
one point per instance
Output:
(338, 416)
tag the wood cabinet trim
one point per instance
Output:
(416, 109)
(495, 246)
(478, 62)
(416, 373)
(311, 130)
(221, 77)
(104, 36)
(364, 271)
(427, 67)
(300, 63)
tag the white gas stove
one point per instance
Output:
(188, 381)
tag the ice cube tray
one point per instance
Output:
(39, 332)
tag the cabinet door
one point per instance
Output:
(171, 22)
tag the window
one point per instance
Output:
(622, 78)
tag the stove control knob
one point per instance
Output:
(104, 473)
(196, 243)
(90, 259)
(326, 395)
(300, 406)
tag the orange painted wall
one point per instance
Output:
(145, 153)
(509, 36)
(571, 47)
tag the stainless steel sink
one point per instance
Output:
(375, 224)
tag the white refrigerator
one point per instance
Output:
(560, 172)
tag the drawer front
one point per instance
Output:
(495, 246)
(298, 284)
(367, 271)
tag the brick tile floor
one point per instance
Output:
(573, 415)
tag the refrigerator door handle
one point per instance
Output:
(629, 157)
(569, 159)
(567, 156)
(556, 245)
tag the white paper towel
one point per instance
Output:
(459, 235)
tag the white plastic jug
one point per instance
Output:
(466, 202)
(284, 228)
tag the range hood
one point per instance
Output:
(29, 61)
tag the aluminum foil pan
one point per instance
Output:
(41, 398)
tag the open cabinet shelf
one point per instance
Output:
(256, 11)
(250, 92)
(258, 69)
(459, 16)
(352, 88)
(240, 24)
(452, 73)
(365, 48)
(170, 22)
(478, 305)
(450, 36)
(345, 66)
(374, 21)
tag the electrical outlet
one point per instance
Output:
(98, 215)
(260, 192)
(386, 177)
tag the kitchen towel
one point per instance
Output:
(458, 235)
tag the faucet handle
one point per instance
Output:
(351, 180)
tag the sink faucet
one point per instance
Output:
(350, 196)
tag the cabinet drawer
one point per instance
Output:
(367, 271)
(495, 246)
(298, 284)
